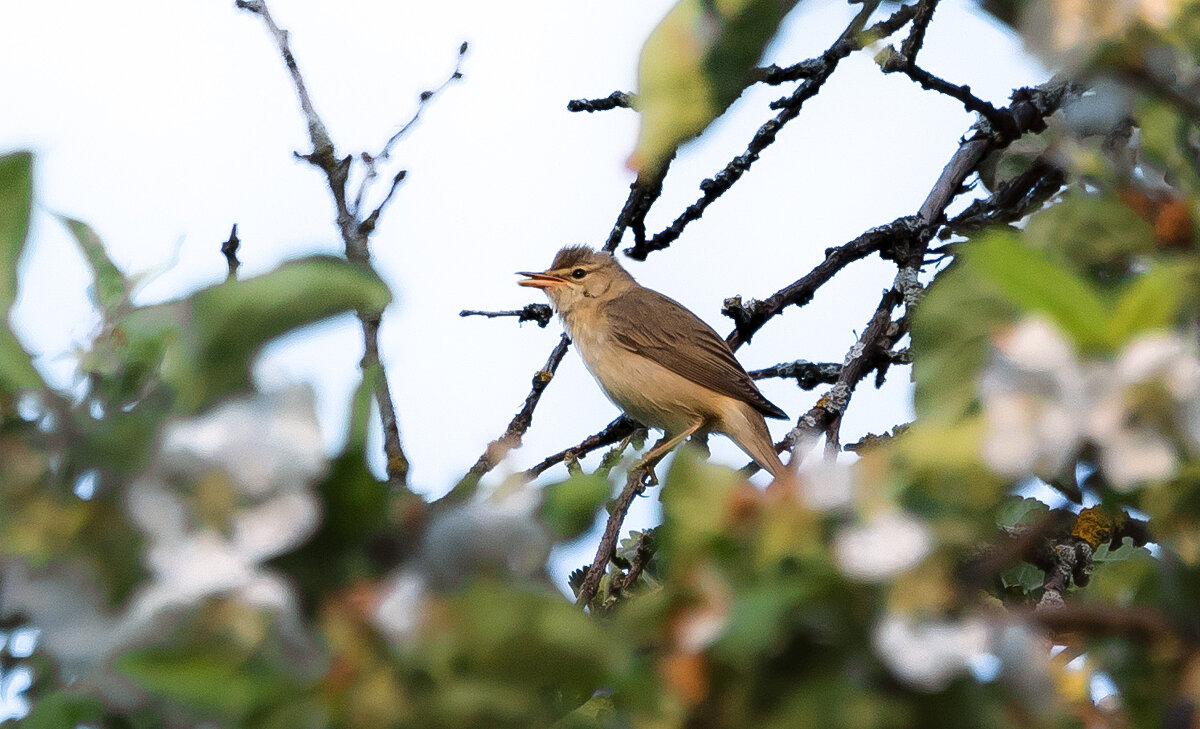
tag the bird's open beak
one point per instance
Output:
(540, 280)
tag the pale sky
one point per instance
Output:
(163, 123)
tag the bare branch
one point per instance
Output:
(806, 374)
(355, 235)
(751, 317)
(876, 340)
(635, 485)
(367, 226)
(422, 101)
(615, 100)
(852, 39)
(916, 36)
(540, 313)
(895, 62)
(230, 248)
(371, 161)
(614, 432)
(499, 448)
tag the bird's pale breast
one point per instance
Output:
(643, 389)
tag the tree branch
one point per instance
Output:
(615, 100)
(614, 432)
(355, 235)
(540, 313)
(635, 485)
(806, 374)
(876, 340)
(499, 448)
(230, 248)
(749, 318)
(852, 39)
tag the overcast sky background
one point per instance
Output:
(163, 123)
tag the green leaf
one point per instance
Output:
(1016, 512)
(693, 516)
(230, 322)
(16, 366)
(951, 334)
(696, 63)
(110, 289)
(209, 683)
(1152, 301)
(569, 508)
(63, 709)
(597, 712)
(16, 204)
(1025, 577)
(1096, 234)
(1034, 283)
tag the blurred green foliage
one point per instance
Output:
(180, 589)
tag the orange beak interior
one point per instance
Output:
(540, 280)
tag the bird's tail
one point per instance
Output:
(749, 431)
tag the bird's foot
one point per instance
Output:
(645, 470)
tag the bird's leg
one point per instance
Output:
(662, 447)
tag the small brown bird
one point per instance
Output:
(657, 361)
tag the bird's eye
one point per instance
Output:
(578, 273)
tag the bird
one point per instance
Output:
(653, 358)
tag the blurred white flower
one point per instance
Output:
(495, 530)
(265, 443)
(701, 623)
(1034, 395)
(826, 485)
(227, 491)
(66, 604)
(1042, 404)
(260, 456)
(500, 529)
(403, 606)
(928, 654)
(1024, 653)
(882, 547)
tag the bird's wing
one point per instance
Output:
(680, 341)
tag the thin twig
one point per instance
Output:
(355, 235)
(371, 161)
(876, 340)
(642, 195)
(635, 485)
(615, 100)
(540, 313)
(749, 318)
(230, 248)
(614, 432)
(423, 100)
(916, 36)
(499, 448)
(774, 75)
(895, 62)
(852, 39)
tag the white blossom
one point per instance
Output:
(928, 654)
(881, 547)
(1042, 403)
(826, 485)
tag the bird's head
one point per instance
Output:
(580, 277)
